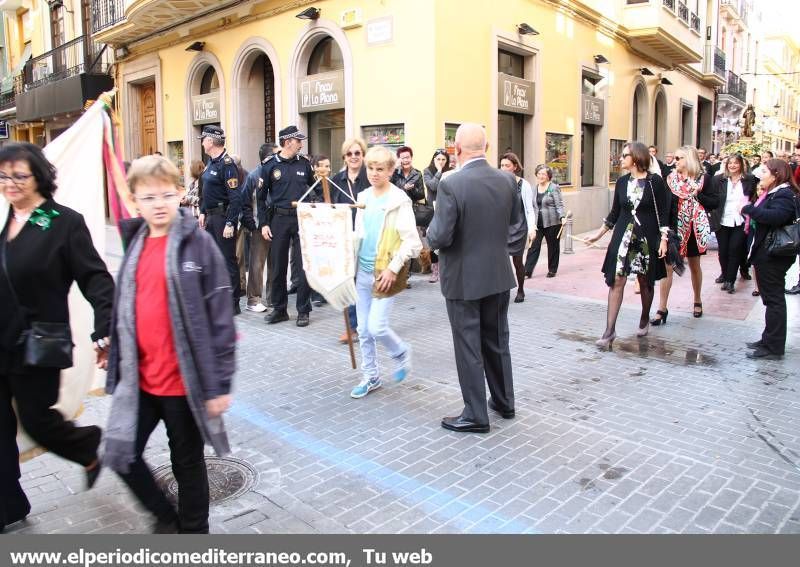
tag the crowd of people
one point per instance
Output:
(192, 254)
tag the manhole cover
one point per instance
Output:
(228, 478)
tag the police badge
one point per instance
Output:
(276, 174)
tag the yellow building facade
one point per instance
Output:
(563, 82)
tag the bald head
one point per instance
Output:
(470, 142)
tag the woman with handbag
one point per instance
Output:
(44, 247)
(386, 239)
(639, 243)
(693, 195)
(527, 229)
(549, 215)
(773, 217)
(431, 176)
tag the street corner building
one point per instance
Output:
(561, 82)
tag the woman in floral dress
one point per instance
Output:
(640, 217)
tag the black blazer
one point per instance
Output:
(475, 209)
(720, 182)
(42, 265)
(778, 209)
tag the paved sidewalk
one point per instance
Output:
(677, 432)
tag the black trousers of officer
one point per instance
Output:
(286, 236)
(215, 225)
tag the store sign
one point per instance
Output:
(592, 110)
(205, 109)
(324, 91)
(380, 30)
(514, 94)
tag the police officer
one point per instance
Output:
(221, 202)
(285, 177)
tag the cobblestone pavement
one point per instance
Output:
(677, 432)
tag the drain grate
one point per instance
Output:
(228, 479)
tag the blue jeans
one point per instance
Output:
(373, 326)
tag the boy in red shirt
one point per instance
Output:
(173, 348)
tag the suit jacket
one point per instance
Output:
(475, 208)
(552, 206)
(720, 183)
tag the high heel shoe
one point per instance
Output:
(643, 332)
(697, 314)
(662, 318)
(605, 343)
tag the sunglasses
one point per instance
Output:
(679, 157)
(356, 153)
(623, 156)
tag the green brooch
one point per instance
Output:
(42, 218)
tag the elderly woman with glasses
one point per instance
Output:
(639, 217)
(693, 195)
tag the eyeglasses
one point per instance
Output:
(623, 156)
(356, 153)
(150, 200)
(16, 178)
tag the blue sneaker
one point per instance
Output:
(403, 366)
(365, 387)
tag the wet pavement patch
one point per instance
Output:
(649, 348)
(228, 478)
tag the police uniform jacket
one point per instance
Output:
(221, 188)
(282, 182)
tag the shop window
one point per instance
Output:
(614, 155)
(450, 138)
(327, 135)
(558, 155)
(392, 136)
(209, 83)
(511, 63)
(510, 133)
(326, 57)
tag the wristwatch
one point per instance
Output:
(101, 344)
(228, 223)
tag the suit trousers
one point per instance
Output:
(480, 337)
(553, 249)
(771, 277)
(285, 237)
(259, 257)
(35, 391)
(215, 225)
(732, 251)
(188, 463)
(242, 256)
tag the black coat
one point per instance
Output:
(42, 265)
(620, 216)
(720, 184)
(778, 209)
(343, 181)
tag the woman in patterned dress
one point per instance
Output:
(639, 216)
(693, 197)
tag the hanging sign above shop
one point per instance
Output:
(205, 109)
(514, 94)
(592, 110)
(324, 91)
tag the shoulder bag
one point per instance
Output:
(423, 211)
(45, 344)
(400, 283)
(784, 241)
(673, 257)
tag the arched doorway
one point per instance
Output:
(660, 122)
(326, 130)
(205, 103)
(255, 99)
(639, 114)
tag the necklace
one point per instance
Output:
(22, 218)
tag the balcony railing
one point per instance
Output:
(81, 55)
(669, 4)
(695, 22)
(683, 12)
(107, 13)
(714, 61)
(9, 99)
(735, 87)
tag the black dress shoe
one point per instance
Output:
(551, 274)
(725, 286)
(506, 413)
(92, 474)
(520, 297)
(745, 275)
(795, 290)
(731, 288)
(302, 320)
(166, 526)
(754, 344)
(720, 279)
(763, 354)
(237, 310)
(462, 425)
(277, 317)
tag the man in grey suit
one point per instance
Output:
(475, 209)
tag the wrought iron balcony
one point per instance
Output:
(695, 22)
(81, 55)
(683, 12)
(107, 13)
(714, 62)
(734, 87)
(669, 4)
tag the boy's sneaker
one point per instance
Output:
(258, 307)
(365, 387)
(403, 366)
